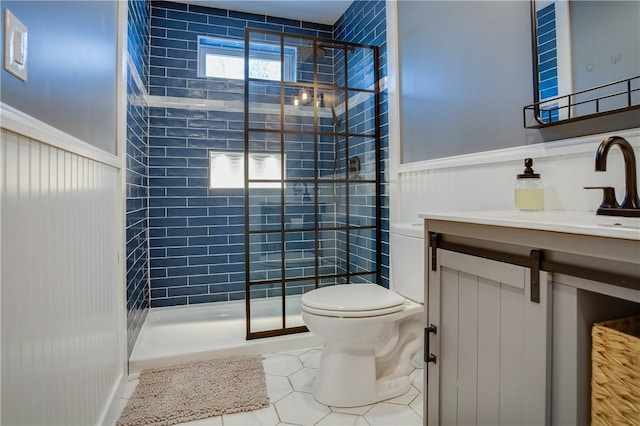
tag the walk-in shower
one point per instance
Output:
(318, 221)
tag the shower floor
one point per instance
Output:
(193, 333)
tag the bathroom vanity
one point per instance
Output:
(511, 299)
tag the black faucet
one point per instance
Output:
(630, 206)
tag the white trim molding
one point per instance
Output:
(20, 123)
(111, 409)
(580, 145)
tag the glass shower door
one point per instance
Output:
(312, 218)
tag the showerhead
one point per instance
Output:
(306, 52)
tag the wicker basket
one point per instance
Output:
(615, 380)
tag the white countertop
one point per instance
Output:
(571, 222)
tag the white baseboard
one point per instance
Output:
(111, 411)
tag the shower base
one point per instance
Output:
(181, 334)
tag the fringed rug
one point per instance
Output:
(182, 393)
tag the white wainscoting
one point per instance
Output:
(485, 181)
(62, 296)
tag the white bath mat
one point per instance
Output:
(199, 390)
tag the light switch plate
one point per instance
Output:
(15, 46)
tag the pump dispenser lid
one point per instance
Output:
(528, 170)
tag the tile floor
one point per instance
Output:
(290, 377)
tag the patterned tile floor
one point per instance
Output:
(290, 377)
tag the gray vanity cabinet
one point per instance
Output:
(491, 361)
(510, 302)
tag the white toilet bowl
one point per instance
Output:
(370, 336)
(370, 333)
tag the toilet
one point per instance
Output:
(370, 333)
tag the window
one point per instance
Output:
(227, 169)
(224, 58)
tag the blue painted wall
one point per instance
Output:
(65, 36)
(137, 180)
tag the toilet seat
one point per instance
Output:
(353, 314)
(352, 301)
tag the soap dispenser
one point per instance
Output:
(529, 194)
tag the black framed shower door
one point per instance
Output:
(312, 172)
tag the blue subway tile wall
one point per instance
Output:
(137, 186)
(365, 22)
(547, 60)
(138, 37)
(196, 233)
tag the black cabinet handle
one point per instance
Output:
(428, 356)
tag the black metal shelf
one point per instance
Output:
(543, 116)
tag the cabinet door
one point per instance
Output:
(492, 352)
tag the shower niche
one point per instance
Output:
(318, 222)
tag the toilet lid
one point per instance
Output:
(352, 300)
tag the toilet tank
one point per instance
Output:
(406, 257)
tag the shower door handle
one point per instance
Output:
(428, 356)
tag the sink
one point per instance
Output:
(590, 219)
(573, 222)
(613, 222)
(620, 222)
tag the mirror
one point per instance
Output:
(586, 60)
